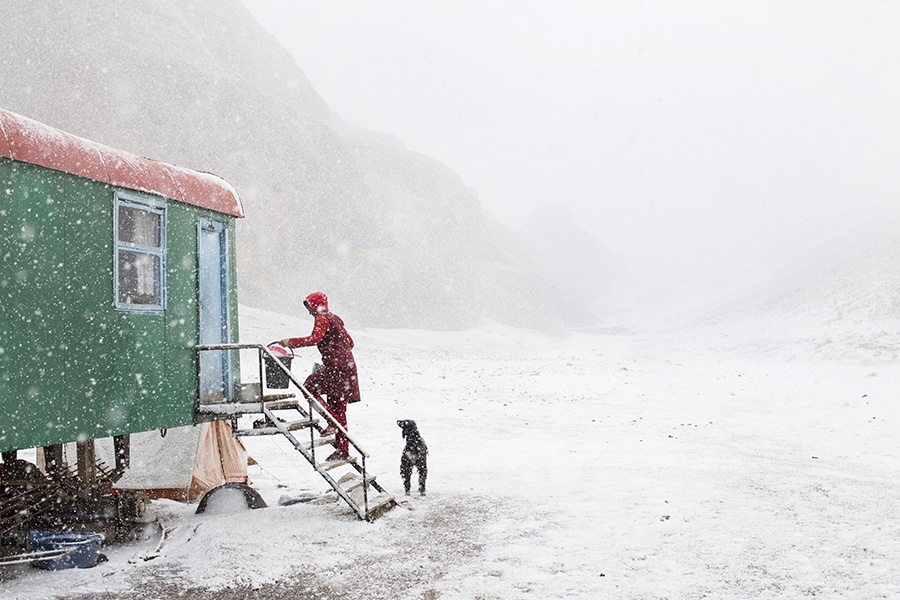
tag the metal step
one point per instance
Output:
(230, 408)
(272, 402)
(289, 426)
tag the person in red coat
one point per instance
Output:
(337, 379)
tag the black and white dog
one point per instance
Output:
(415, 454)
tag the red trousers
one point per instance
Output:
(338, 410)
(321, 383)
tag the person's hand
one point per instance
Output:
(284, 342)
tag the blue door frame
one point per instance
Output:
(215, 372)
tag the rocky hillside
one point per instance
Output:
(395, 238)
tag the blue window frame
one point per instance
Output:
(140, 261)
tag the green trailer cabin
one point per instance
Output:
(112, 268)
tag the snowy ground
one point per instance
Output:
(633, 466)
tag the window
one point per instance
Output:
(140, 266)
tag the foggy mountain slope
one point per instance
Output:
(841, 296)
(394, 237)
(576, 260)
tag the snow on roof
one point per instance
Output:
(26, 140)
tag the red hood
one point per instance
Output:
(318, 302)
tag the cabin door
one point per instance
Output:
(214, 310)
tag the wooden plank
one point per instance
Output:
(380, 506)
(333, 464)
(255, 432)
(282, 404)
(301, 424)
(359, 482)
(321, 441)
(268, 398)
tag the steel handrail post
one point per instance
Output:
(365, 488)
(197, 397)
(312, 436)
(262, 377)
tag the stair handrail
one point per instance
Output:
(314, 404)
(309, 396)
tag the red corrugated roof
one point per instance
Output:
(26, 140)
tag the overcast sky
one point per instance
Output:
(707, 133)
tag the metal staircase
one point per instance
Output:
(295, 415)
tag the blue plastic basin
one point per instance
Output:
(84, 547)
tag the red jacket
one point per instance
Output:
(334, 343)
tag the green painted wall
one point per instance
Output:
(72, 366)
